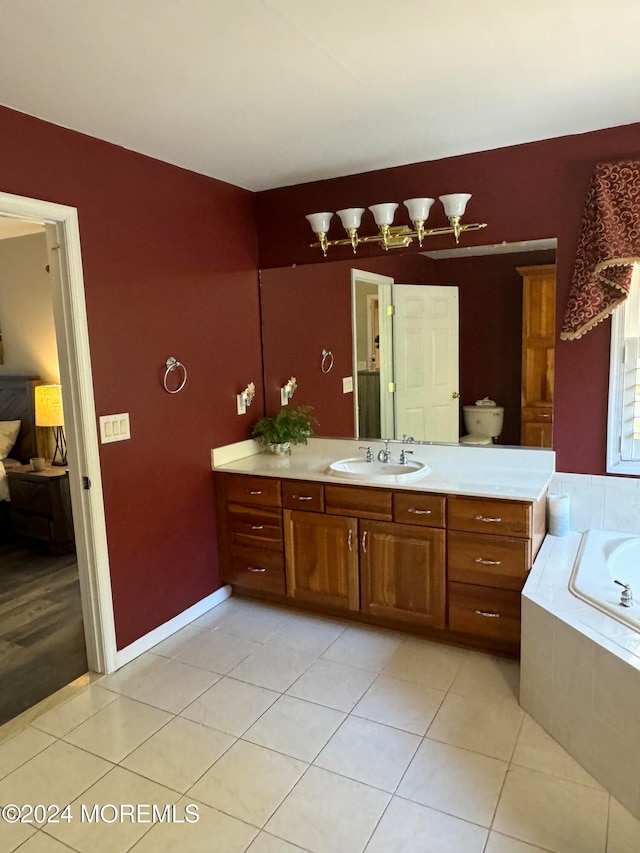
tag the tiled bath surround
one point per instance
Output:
(580, 669)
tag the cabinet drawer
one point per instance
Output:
(258, 526)
(302, 495)
(491, 560)
(417, 508)
(244, 489)
(361, 503)
(481, 515)
(484, 611)
(29, 495)
(253, 568)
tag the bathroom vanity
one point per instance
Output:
(445, 555)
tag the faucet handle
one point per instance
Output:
(403, 455)
(369, 453)
(626, 596)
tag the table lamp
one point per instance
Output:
(49, 414)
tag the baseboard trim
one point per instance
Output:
(135, 649)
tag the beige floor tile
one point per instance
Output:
(309, 634)
(624, 830)
(456, 781)
(118, 729)
(366, 648)
(426, 663)
(178, 754)
(216, 651)
(221, 611)
(74, 712)
(490, 728)
(326, 813)
(401, 704)
(171, 686)
(214, 832)
(408, 828)
(134, 673)
(552, 813)
(43, 843)
(230, 706)
(503, 844)
(15, 834)
(21, 748)
(369, 752)
(295, 727)
(537, 750)
(273, 667)
(176, 643)
(266, 843)
(250, 620)
(488, 677)
(249, 782)
(114, 833)
(57, 775)
(332, 684)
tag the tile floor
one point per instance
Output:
(289, 732)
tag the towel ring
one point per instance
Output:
(327, 361)
(173, 364)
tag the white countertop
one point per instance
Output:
(492, 472)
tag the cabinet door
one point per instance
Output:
(321, 555)
(402, 571)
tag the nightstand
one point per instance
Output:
(41, 506)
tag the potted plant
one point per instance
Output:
(292, 425)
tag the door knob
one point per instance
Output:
(455, 395)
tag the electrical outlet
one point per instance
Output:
(115, 428)
(242, 406)
(347, 385)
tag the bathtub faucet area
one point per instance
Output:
(626, 596)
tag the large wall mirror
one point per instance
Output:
(414, 339)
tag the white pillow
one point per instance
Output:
(8, 433)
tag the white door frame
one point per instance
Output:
(70, 317)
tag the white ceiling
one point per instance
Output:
(266, 93)
(18, 227)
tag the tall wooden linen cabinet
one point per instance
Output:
(538, 343)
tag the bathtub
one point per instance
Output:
(605, 557)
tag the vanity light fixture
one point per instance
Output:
(287, 391)
(390, 236)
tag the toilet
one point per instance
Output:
(483, 424)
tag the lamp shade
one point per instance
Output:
(351, 217)
(49, 406)
(419, 208)
(383, 213)
(455, 203)
(319, 222)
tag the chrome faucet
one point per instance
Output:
(626, 596)
(369, 453)
(408, 439)
(403, 456)
(385, 455)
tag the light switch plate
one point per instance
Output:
(242, 406)
(115, 428)
(347, 384)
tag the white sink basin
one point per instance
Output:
(359, 469)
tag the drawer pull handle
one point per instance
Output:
(302, 497)
(486, 518)
(258, 569)
(419, 511)
(487, 562)
(350, 540)
(260, 527)
(364, 541)
(487, 614)
(255, 491)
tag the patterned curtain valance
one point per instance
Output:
(608, 247)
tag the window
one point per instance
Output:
(623, 428)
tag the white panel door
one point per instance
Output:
(426, 331)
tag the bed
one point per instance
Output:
(17, 404)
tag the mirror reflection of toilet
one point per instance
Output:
(483, 422)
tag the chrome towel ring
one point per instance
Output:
(173, 364)
(327, 361)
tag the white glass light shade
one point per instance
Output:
(48, 402)
(319, 222)
(383, 213)
(351, 217)
(419, 208)
(455, 203)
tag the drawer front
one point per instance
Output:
(488, 560)
(257, 526)
(485, 612)
(252, 568)
(417, 508)
(479, 515)
(262, 491)
(303, 496)
(32, 526)
(31, 496)
(361, 503)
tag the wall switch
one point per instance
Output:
(114, 428)
(347, 385)
(284, 397)
(242, 406)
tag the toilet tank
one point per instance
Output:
(483, 420)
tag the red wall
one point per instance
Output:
(170, 267)
(524, 192)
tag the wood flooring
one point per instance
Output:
(42, 645)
